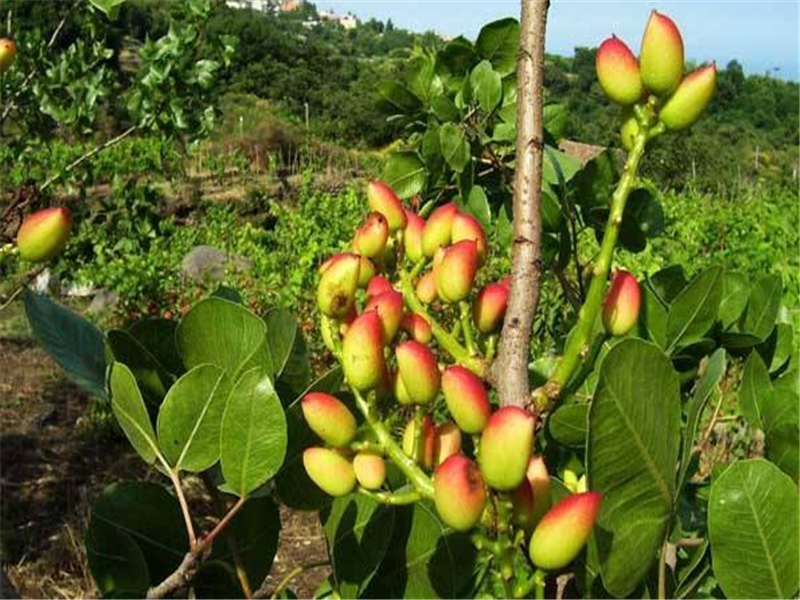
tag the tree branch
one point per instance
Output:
(511, 367)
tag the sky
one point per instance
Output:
(761, 34)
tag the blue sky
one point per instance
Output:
(761, 34)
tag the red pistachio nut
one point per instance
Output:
(505, 447)
(467, 227)
(417, 328)
(466, 399)
(362, 352)
(564, 530)
(691, 98)
(370, 470)
(661, 55)
(489, 307)
(381, 198)
(456, 272)
(389, 306)
(329, 418)
(8, 51)
(426, 288)
(428, 444)
(448, 441)
(412, 236)
(618, 72)
(370, 239)
(438, 229)
(417, 366)
(459, 492)
(621, 304)
(338, 284)
(378, 285)
(523, 505)
(539, 479)
(331, 471)
(44, 234)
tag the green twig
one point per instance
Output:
(466, 326)
(393, 499)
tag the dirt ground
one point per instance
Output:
(53, 464)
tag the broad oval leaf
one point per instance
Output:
(456, 58)
(694, 310)
(555, 117)
(478, 206)
(455, 148)
(115, 561)
(358, 530)
(498, 42)
(780, 413)
(253, 433)
(487, 86)
(735, 292)
(754, 386)
(189, 419)
(290, 360)
(632, 456)
(568, 424)
(152, 378)
(74, 343)
(754, 531)
(131, 412)
(405, 173)
(158, 336)
(219, 332)
(395, 98)
(763, 306)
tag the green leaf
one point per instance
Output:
(632, 457)
(255, 532)
(694, 310)
(754, 531)
(358, 530)
(478, 206)
(456, 58)
(158, 336)
(425, 559)
(152, 378)
(189, 420)
(131, 413)
(405, 173)
(74, 343)
(115, 562)
(487, 86)
(455, 148)
(568, 424)
(498, 42)
(108, 7)
(714, 371)
(444, 109)
(777, 349)
(763, 306)
(735, 292)
(754, 387)
(653, 318)
(221, 333)
(555, 118)
(253, 433)
(668, 283)
(397, 99)
(559, 167)
(150, 517)
(780, 413)
(642, 219)
(290, 359)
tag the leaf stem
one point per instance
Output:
(466, 326)
(208, 539)
(416, 476)
(187, 517)
(578, 342)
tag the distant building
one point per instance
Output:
(259, 5)
(290, 5)
(348, 21)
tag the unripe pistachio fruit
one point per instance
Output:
(417, 328)
(438, 229)
(381, 198)
(44, 234)
(366, 272)
(370, 470)
(428, 442)
(466, 399)
(505, 447)
(417, 366)
(399, 390)
(522, 503)
(412, 236)
(621, 304)
(389, 306)
(618, 72)
(331, 471)
(539, 479)
(370, 239)
(467, 227)
(329, 418)
(362, 352)
(564, 530)
(459, 492)
(426, 288)
(489, 307)
(338, 284)
(691, 98)
(8, 51)
(448, 441)
(455, 274)
(661, 55)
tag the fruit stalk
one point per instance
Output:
(466, 326)
(578, 343)
(415, 475)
